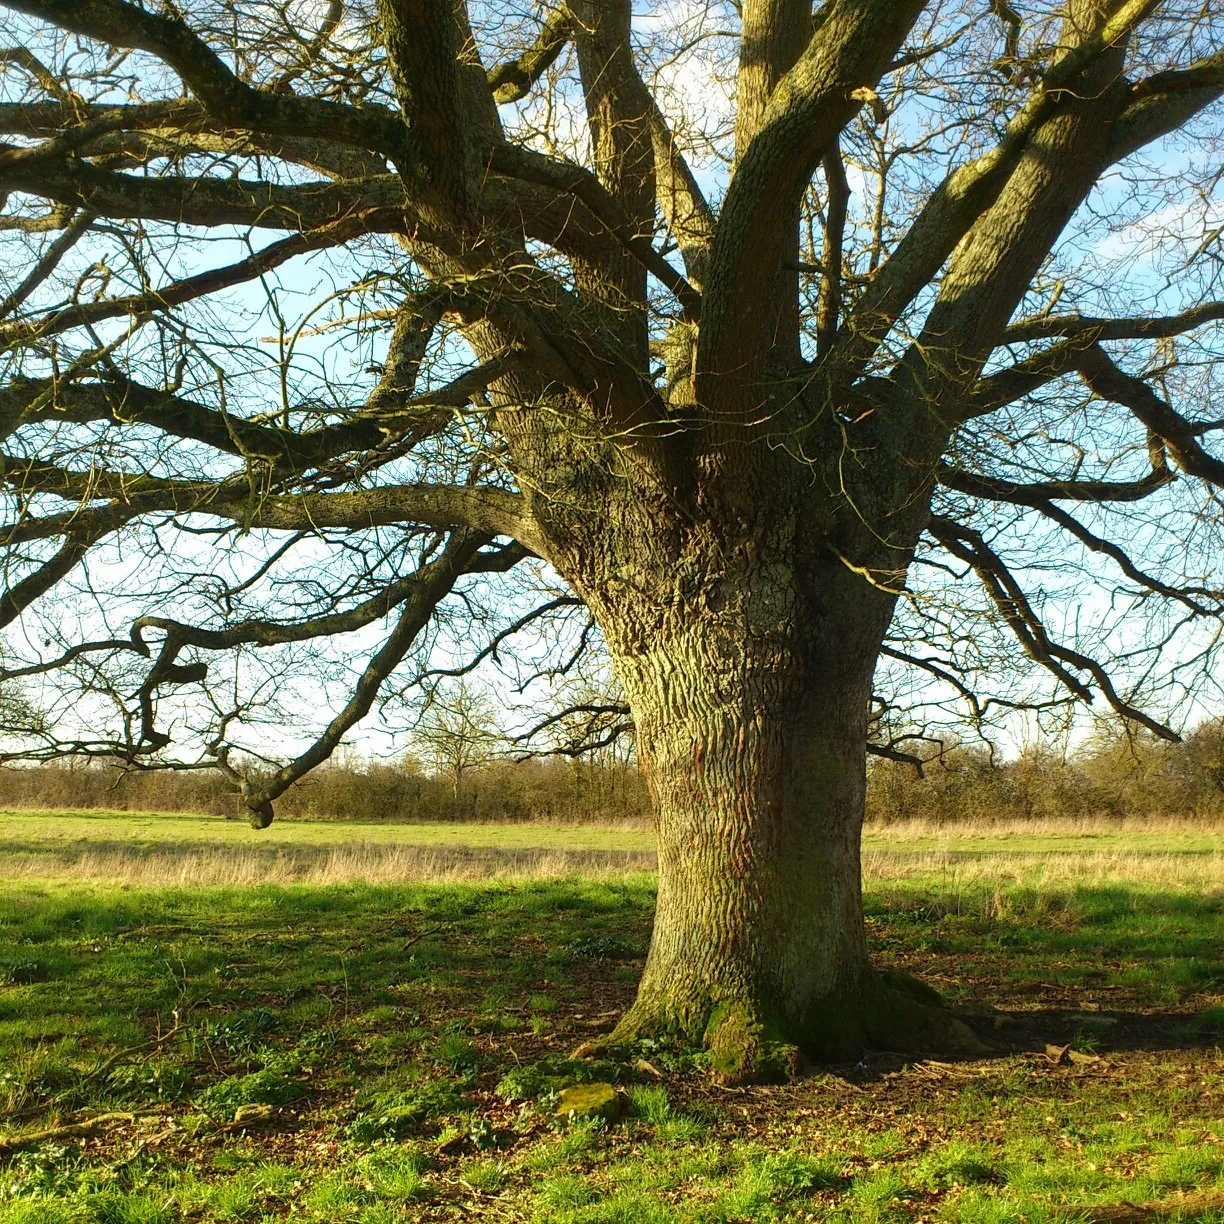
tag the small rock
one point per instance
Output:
(587, 1101)
(252, 1115)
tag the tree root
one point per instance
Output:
(71, 1130)
(1184, 1206)
(889, 1012)
(901, 1014)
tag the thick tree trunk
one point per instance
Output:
(751, 705)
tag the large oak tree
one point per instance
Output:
(941, 316)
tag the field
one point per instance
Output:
(370, 1023)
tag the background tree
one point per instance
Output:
(458, 732)
(319, 321)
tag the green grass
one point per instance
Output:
(399, 1045)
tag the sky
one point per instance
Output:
(1130, 255)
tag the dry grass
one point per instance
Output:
(362, 862)
(160, 850)
(93, 829)
(964, 871)
(922, 829)
(375, 863)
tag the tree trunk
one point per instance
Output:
(751, 700)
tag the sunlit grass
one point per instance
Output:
(379, 1026)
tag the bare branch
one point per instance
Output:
(519, 162)
(848, 52)
(829, 309)
(1095, 330)
(1109, 382)
(1018, 613)
(1037, 494)
(433, 583)
(120, 24)
(175, 294)
(46, 265)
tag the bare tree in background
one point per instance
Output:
(458, 732)
(322, 321)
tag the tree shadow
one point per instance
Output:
(1107, 1032)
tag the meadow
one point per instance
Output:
(198, 1023)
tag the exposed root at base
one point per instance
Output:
(1183, 1207)
(890, 1012)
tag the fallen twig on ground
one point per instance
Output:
(1184, 1205)
(71, 1130)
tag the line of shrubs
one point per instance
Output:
(1111, 776)
(551, 790)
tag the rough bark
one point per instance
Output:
(746, 650)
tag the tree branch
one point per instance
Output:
(1165, 101)
(1038, 493)
(433, 582)
(516, 161)
(149, 129)
(1178, 434)
(1106, 548)
(419, 36)
(971, 189)
(46, 266)
(178, 292)
(828, 309)
(490, 511)
(378, 204)
(238, 104)
(22, 594)
(849, 51)
(511, 81)
(1092, 329)
(1006, 594)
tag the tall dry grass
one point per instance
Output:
(954, 871)
(1097, 824)
(961, 871)
(368, 863)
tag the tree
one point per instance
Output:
(938, 338)
(458, 732)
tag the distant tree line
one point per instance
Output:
(1111, 776)
(555, 790)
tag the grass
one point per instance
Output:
(152, 830)
(157, 848)
(386, 1052)
(145, 849)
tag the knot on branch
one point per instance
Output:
(180, 673)
(259, 814)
